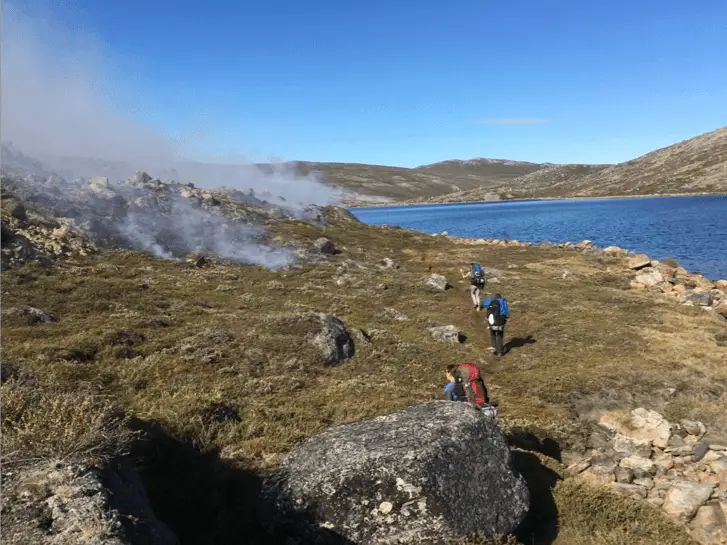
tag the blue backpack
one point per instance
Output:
(478, 276)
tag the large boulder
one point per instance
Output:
(427, 473)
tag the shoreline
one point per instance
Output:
(402, 204)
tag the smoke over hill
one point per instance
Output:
(58, 119)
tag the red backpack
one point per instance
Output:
(469, 375)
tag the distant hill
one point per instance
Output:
(399, 183)
(697, 165)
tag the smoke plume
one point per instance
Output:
(55, 108)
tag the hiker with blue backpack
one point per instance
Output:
(476, 277)
(498, 312)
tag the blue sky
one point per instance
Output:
(413, 82)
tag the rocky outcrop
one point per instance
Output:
(59, 504)
(424, 474)
(669, 465)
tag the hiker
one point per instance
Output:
(498, 311)
(477, 282)
(466, 384)
(454, 390)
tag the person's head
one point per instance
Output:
(450, 372)
(498, 296)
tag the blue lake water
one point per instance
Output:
(692, 230)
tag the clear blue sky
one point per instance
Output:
(404, 82)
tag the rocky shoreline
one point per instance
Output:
(669, 465)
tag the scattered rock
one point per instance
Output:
(446, 333)
(708, 517)
(30, 315)
(700, 298)
(603, 468)
(721, 308)
(389, 263)
(693, 427)
(623, 475)
(333, 341)
(437, 282)
(632, 490)
(650, 426)
(395, 314)
(635, 447)
(649, 278)
(684, 498)
(641, 467)
(430, 472)
(639, 262)
(700, 450)
(325, 246)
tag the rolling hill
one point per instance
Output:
(397, 183)
(694, 166)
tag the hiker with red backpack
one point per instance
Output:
(466, 384)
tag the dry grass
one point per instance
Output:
(62, 425)
(218, 360)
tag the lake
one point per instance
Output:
(692, 230)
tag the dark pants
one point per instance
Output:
(496, 339)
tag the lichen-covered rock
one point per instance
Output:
(424, 474)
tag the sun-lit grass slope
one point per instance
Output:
(217, 361)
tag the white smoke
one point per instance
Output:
(55, 106)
